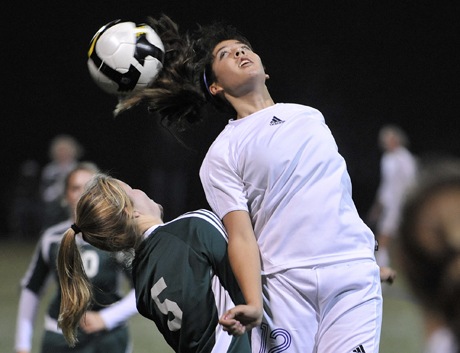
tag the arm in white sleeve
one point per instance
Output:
(119, 312)
(27, 312)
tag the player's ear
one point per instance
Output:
(215, 89)
(134, 213)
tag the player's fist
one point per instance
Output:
(240, 319)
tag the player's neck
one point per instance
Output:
(146, 222)
(252, 103)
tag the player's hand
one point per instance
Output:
(387, 275)
(241, 319)
(92, 322)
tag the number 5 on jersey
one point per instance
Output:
(167, 306)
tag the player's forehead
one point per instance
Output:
(80, 177)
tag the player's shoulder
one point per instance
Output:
(202, 217)
(295, 108)
(189, 229)
(51, 237)
(55, 232)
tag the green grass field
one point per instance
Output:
(401, 330)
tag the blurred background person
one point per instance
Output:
(398, 168)
(103, 328)
(429, 252)
(64, 153)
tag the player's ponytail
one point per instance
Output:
(104, 218)
(76, 293)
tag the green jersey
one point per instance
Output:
(184, 283)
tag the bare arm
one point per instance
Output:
(245, 262)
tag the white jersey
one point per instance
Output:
(398, 172)
(282, 165)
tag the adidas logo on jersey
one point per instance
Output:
(276, 121)
(359, 349)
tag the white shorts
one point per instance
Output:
(331, 309)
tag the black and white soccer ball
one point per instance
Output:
(124, 57)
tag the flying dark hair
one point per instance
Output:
(179, 94)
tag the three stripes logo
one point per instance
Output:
(276, 121)
(359, 349)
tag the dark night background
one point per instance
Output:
(361, 63)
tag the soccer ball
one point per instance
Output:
(124, 57)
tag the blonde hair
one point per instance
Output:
(104, 217)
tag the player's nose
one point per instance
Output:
(239, 52)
